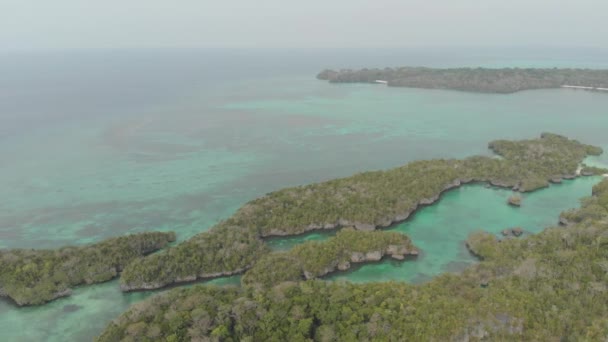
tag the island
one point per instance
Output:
(365, 201)
(549, 286)
(222, 251)
(316, 259)
(34, 277)
(484, 80)
(515, 201)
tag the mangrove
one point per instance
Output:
(365, 201)
(315, 259)
(34, 277)
(551, 286)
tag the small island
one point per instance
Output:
(34, 277)
(515, 201)
(315, 259)
(365, 201)
(483, 80)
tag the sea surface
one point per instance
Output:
(95, 144)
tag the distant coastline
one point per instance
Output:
(483, 80)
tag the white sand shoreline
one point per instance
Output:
(586, 88)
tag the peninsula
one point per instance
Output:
(365, 201)
(545, 287)
(484, 80)
(315, 259)
(34, 277)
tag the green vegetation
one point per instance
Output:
(548, 287)
(33, 277)
(591, 170)
(225, 250)
(506, 80)
(377, 199)
(315, 259)
(366, 201)
(593, 208)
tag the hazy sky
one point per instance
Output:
(41, 24)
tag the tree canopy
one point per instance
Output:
(32, 277)
(545, 287)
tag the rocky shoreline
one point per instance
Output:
(342, 223)
(395, 252)
(181, 280)
(18, 302)
(316, 259)
(397, 219)
(365, 201)
(558, 273)
(34, 277)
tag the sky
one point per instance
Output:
(75, 24)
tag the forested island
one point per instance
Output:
(546, 287)
(365, 201)
(316, 259)
(33, 277)
(485, 80)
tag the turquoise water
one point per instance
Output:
(75, 318)
(100, 147)
(286, 243)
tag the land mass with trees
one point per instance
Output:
(551, 286)
(315, 259)
(365, 201)
(485, 80)
(34, 277)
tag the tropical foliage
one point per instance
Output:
(546, 287)
(32, 277)
(225, 250)
(315, 259)
(366, 201)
